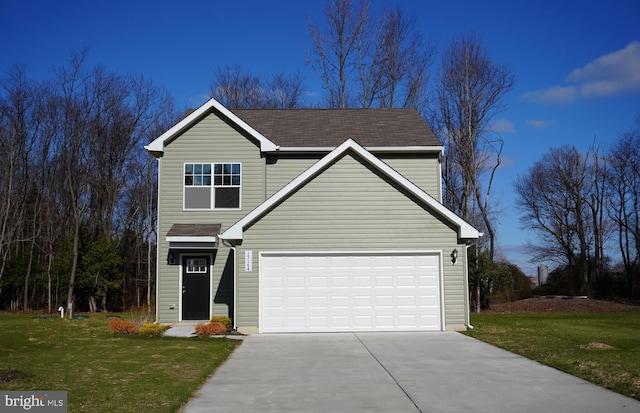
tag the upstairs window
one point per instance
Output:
(212, 185)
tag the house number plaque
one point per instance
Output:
(248, 261)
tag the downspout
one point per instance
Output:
(158, 241)
(466, 288)
(235, 276)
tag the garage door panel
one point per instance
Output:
(342, 322)
(294, 280)
(339, 281)
(385, 280)
(318, 321)
(385, 301)
(361, 261)
(320, 302)
(349, 292)
(318, 281)
(273, 282)
(296, 302)
(362, 301)
(361, 280)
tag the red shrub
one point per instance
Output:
(210, 329)
(119, 326)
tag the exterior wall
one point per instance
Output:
(348, 208)
(421, 169)
(210, 140)
(284, 169)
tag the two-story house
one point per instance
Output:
(308, 220)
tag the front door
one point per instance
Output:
(195, 288)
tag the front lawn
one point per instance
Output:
(100, 371)
(603, 348)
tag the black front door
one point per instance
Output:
(195, 288)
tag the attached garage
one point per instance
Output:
(350, 245)
(350, 291)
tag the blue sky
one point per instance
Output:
(576, 63)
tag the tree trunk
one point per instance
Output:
(74, 268)
(50, 259)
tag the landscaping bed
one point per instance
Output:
(561, 305)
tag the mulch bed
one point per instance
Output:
(561, 305)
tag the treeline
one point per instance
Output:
(584, 208)
(78, 192)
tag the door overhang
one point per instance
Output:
(191, 237)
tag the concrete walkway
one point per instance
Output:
(392, 372)
(181, 331)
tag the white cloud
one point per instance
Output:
(555, 94)
(540, 124)
(503, 126)
(610, 74)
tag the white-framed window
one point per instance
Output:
(196, 265)
(212, 185)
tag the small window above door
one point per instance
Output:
(196, 265)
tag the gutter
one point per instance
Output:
(374, 149)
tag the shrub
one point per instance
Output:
(152, 330)
(119, 326)
(211, 329)
(222, 319)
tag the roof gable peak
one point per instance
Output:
(235, 232)
(156, 147)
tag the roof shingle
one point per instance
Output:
(309, 128)
(194, 230)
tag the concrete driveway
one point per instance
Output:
(392, 372)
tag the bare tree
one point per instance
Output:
(404, 62)
(285, 91)
(235, 89)
(470, 92)
(17, 140)
(560, 199)
(623, 181)
(77, 100)
(70, 150)
(339, 48)
(370, 62)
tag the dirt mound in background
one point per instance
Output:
(561, 305)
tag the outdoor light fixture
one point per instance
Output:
(454, 256)
(170, 259)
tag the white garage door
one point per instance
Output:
(349, 292)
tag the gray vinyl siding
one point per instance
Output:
(421, 169)
(349, 208)
(285, 169)
(210, 140)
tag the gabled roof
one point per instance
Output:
(157, 146)
(328, 128)
(321, 130)
(235, 232)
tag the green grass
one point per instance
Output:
(103, 372)
(603, 348)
